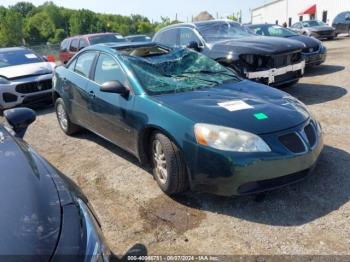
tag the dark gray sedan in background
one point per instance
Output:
(268, 60)
(314, 28)
(314, 52)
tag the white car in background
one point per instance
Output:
(25, 77)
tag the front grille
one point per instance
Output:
(292, 142)
(285, 60)
(269, 184)
(33, 87)
(310, 134)
(328, 32)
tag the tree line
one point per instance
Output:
(27, 24)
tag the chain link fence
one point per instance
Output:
(46, 49)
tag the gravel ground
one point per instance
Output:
(311, 217)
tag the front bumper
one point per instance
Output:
(271, 76)
(323, 35)
(33, 91)
(231, 173)
(315, 58)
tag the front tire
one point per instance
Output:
(169, 169)
(64, 121)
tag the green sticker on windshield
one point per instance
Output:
(261, 116)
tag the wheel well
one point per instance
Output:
(144, 143)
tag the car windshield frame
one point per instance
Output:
(229, 30)
(313, 23)
(106, 38)
(18, 57)
(178, 70)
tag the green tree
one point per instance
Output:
(24, 8)
(83, 22)
(11, 33)
(39, 28)
(60, 34)
(165, 22)
(232, 17)
(144, 27)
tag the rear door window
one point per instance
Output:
(74, 45)
(84, 63)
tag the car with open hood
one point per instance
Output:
(25, 77)
(268, 60)
(314, 52)
(194, 121)
(314, 28)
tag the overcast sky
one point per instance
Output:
(153, 9)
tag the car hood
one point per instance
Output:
(320, 28)
(25, 70)
(30, 207)
(202, 106)
(261, 45)
(310, 42)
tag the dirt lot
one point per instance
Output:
(311, 217)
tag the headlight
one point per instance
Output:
(229, 139)
(3, 81)
(96, 250)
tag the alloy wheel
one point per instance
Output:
(159, 162)
(62, 116)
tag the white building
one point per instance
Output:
(292, 11)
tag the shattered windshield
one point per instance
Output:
(222, 29)
(179, 70)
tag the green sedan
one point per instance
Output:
(196, 123)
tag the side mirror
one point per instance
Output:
(114, 87)
(19, 119)
(195, 46)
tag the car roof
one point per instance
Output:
(120, 45)
(252, 25)
(134, 36)
(8, 49)
(94, 34)
(199, 23)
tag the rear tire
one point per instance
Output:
(169, 168)
(64, 121)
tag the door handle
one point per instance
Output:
(92, 94)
